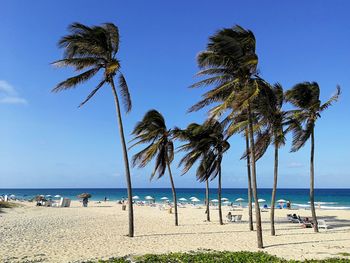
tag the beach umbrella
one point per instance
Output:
(12, 196)
(195, 200)
(193, 197)
(224, 199)
(215, 200)
(183, 199)
(136, 197)
(281, 201)
(148, 197)
(48, 195)
(239, 200)
(84, 195)
(164, 198)
(226, 202)
(57, 196)
(261, 200)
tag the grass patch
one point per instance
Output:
(8, 204)
(213, 257)
(344, 254)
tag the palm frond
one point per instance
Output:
(93, 93)
(124, 90)
(73, 81)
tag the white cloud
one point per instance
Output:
(9, 95)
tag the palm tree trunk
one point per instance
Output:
(126, 161)
(174, 193)
(254, 184)
(219, 194)
(207, 198)
(250, 207)
(273, 198)
(312, 182)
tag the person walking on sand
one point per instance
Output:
(85, 202)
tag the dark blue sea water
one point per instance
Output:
(329, 198)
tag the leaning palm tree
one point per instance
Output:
(92, 50)
(306, 98)
(152, 129)
(196, 152)
(206, 145)
(191, 138)
(230, 65)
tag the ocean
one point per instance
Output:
(327, 198)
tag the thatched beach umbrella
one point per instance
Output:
(84, 195)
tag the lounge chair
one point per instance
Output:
(234, 219)
(322, 224)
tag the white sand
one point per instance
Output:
(99, 231)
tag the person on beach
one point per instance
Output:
(85, 202)
(229, 216)
(288, 205)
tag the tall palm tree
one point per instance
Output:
(152, 129)
(238, 123)
(271, 121)
(306, 98)
(92, 50)
(230, 64)
(206, 145)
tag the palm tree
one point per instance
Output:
(192, 135)
(152, 129)
(206, 144)
(94, 49)
(196, 151)
(271, 122)
(238, 123)
(306, 98)
(230, 62)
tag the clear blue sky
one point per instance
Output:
(46, 141)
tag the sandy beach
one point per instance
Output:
(98, 232)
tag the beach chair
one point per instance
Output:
(238, 218)
(322, 224)
(64, 202)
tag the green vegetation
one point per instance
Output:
(8, 205)
(212, 257)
